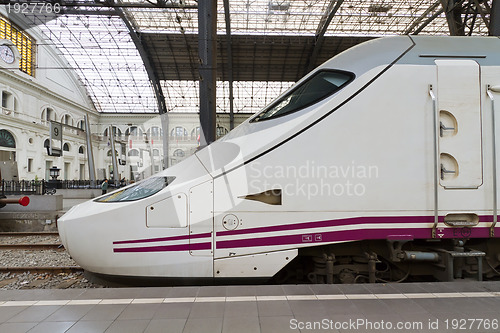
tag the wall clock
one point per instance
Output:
(7, 54)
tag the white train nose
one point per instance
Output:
(86, 228)
(120, 235)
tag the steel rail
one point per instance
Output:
(23, 246)
(53, 270)
(30, 233)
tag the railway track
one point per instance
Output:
(57, 247)
(35, 245)
(37, 260)
(30, 233)
(51, 270)
(30, 241)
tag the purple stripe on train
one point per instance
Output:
(167, 248)
(315, 237)
(343, 222)
(164, 239)
(333, 223)
(352, 235)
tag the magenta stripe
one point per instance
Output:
(167, 248)
(486, 218)
(339, 222)
(333, 223)
(303, 225)
(163, 239)
(350, 235)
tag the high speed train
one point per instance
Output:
(379, 165)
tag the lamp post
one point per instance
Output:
(54, 173)
(54, 183)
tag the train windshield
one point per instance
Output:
(317, 87)
(141, 190)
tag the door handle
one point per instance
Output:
(444, 171)
(442, 128)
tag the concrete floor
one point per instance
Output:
(416, 307)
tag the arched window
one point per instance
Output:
(109, 153)
(81, 125)
(67, 119)
(156, 152)
(116, 131)
(7, 139)
(155, 132)
(221, 131)
(133, 131)
(195, 133)
(179, 153)
(179, 132)
(7, 100)
(46, 144)
(81, 150)
(48, 114)
(133, 152)
(66, 146)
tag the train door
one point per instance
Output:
(201, 222)
(458, 158)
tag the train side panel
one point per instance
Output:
(365, 172)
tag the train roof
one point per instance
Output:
(416, 50)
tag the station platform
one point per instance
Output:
(409, 307)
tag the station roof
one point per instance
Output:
(255, 58)
(273, 43)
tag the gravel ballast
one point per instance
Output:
(38, 258)
(28, 280)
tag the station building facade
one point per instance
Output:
(37, 87)
(139, 141)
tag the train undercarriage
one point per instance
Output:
(379, 261)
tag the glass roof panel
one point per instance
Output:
(379, 18)
(183, 96)
(102, 52)
(354, 17)
(106, 59)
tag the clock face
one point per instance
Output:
(6, 54)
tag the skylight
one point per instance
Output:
(102, 52)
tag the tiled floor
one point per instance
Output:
(432, 307)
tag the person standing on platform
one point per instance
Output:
(104, 186)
